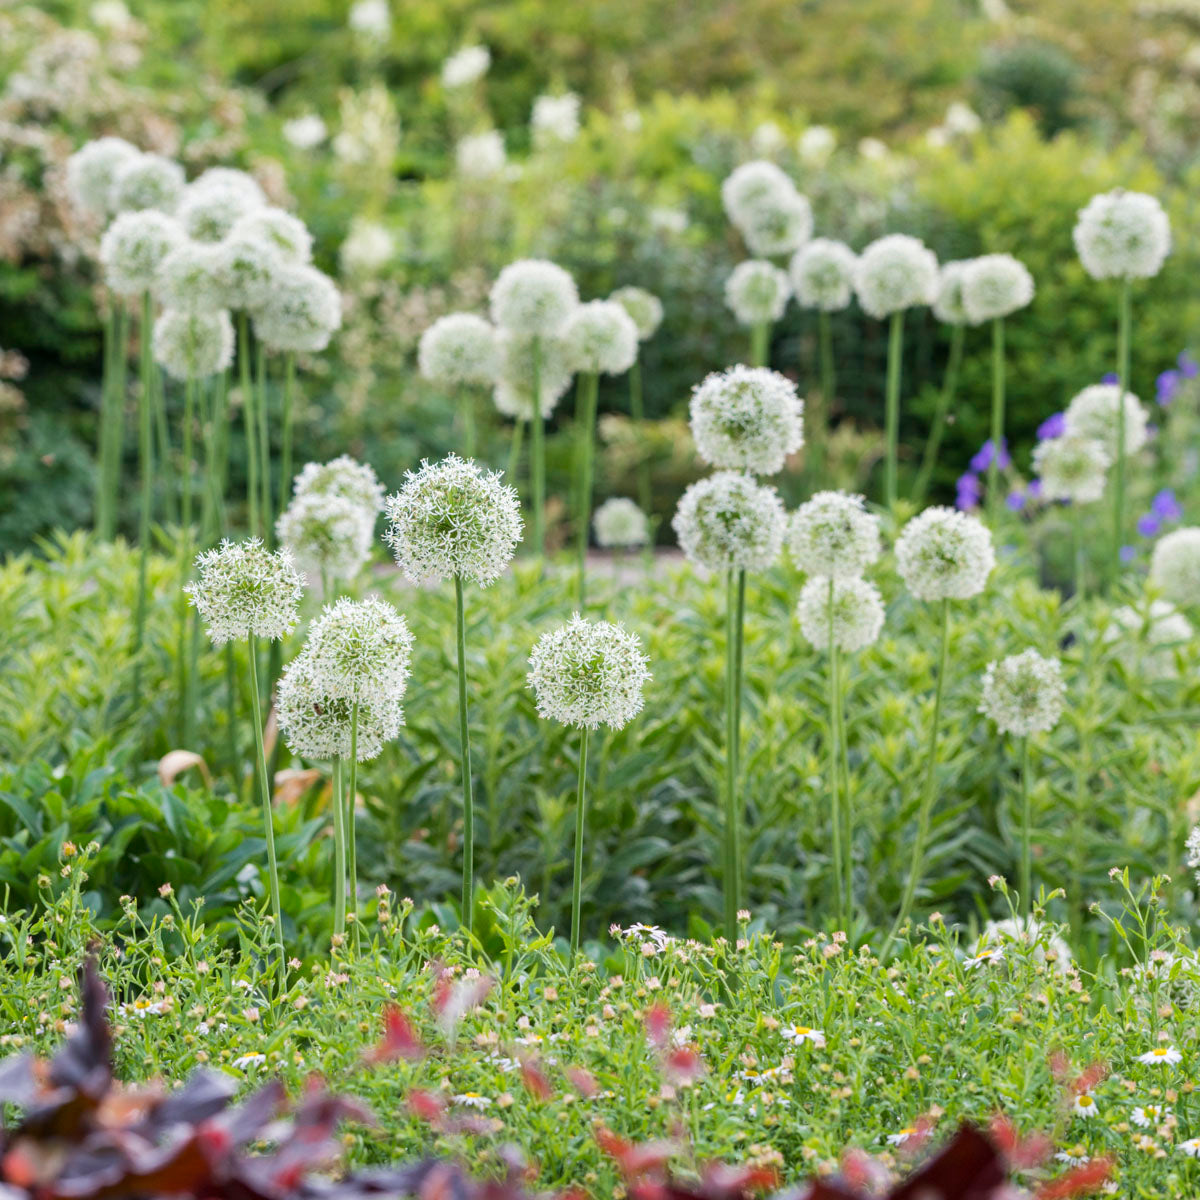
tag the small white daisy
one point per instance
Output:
(1085, 1105)
(248, 1060)
(802, 1033)
(1073, 1156)
(1161, 1055)
(1146, 1115)
(986, 957)
(471, 1100)
(1191, 1147)
(902, 1135)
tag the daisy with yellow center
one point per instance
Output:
(471, 1100)
(802, 1033)
(1149, 1114)
(1161, 1055)
(1191, 1147)
(1085, 1105)
(901, 1135)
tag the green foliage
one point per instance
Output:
(1031, 75)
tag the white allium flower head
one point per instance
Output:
(644, 308)
(371, 18)
(894, 273)
(1147, 638)
(513, 394)
(1072, 468)
(620, 524)
(249, 266)
(1093, 414)
(948, 304)
(465, 66)
(779, 226)
(230, 180)
(1122, 235)
(587, 674)
(301, 312)
(189, 278)
(327, 533)
(943, 554)
(244, 589)
(208, 212)
(757, 292)
(729, 520)
(305, 132)
(747, 418)
(752, 185)
(319, 726)
(1175, 565)
(193, 345)
(822, 274)
(133, 249)
(367, 248)
(452, 518)
(1024, 693)
(481, 155)
(533, 297)
(555, 119)
(816, 144)
(146, 181)
(600, 338)
(857, 610)
(91, 170)
(284, 232)
(342, 476)
(360, 650)
(832, 534)
(995, 285)
(459, 350)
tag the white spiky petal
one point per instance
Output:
(1175, 565)
(857, 609)
(994, 286)
(894, 273)
(193, 345)
(459, 350)
(360, 650)
(943, 554)
(644, 308)
(327, 534)
(729, 520)
(822, 275)
(600, 338)
(133, 249)
(533, 297)
(1072, 468)
(757, 292)
(832, 534)
(1024, 693)
(244, 589)
(748, 418)
(778, 226)
(1122, 235)
(620, 524)
(1092, 413)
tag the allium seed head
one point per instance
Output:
(1093, 414)
(1122, 235)
(857, 609)
(514, 382)
(248, 267)
(451, 518)
(600, 338)
(360, 650)
(643, 307)
(327, 534)
(533, 297)
(301, 312)
(1024, 693)
(244, 589)
(193, 345)
(146, 181)
(729, 520)
(832, 534)
(286, 234)
(620, 524)
(993, 286)
(748, 418)
(481, 155)
(757, 292)
(465, 66)
(894, 273)
(133, 249)
(90, 173)
(342, 476)
(189, 278)
(948, 305)
(209, 211)
(822, 274)
(459, 350)
(587, 674)
(943, 554)
(752, 185)
(555, 119)
(231, 180)
(1071, 468)
(1175, 566)
(777, 226)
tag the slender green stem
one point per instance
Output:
(731, 816)
(118, 390)
(834, 767)
(817, 416)
(637, 412)
(222, 423)
(104, 432)
(249, 424)
(146, 453)
(739, 650)
(937, 430)
(264, 785)
(464, 741)
(589, 386)
(514, 453)
(993, 496)
(846, 795)
(580, 811)
(894, 363)
(1079, 552)
(466, 416)
(538, 447)
(928, 790)
(1124, 314)
(158, 393)
(264, 441)
(288, 432)
(1026, 851)
(185, 555)
(351, 813)
(760, 342)
(339, 851)
(212, 517)
(231, 713)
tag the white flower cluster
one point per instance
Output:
(943, 554)
(757, 292)
(822, 274)
(832, 534)
(644, 308)
(1122, 235)
(513, 394)
(284, 233)
(1071, 468)
(367, 248)
(459, 350)
(189, 278)
(748, 418)
(1175, 566)
(994, 286)
(360, 651)
(90, 174)
(764, 206)
(134, 247)
(193, 345)
(212, 204)
(587, 674)
(948, 303)
(533, 297)
(346, 477)
(451, 518)
(620, 524)
(854, 606)
(465, 66)
(481, 155)
(146, 181)
(1093, 413)
(301, 311)
(555, 119)
(327, 534)
(243, 589)
(894, 273)
(1024, 693)
(600, 338)
(730, 521)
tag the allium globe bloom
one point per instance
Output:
(189, 278)
(481, 155)
(753, 185)
(747, 418)
(368, 248)
(1147, 639)
(730, 521)
(286, 234)
(451, 518)
(360, 650)
(757, 292)
(208, 212)
(133, 249)
(777, 226)
(533, 297)
(644, 308)
(327, 534)
(90, 173)
(948, 305)
(249, 267)
(465, 66)
(301, 312)
(857, 613)
(459, 350)
(1071, 468)
(832, 534)
(1122, 235)
(894, 273)
(1024, 693)
(993, 286)
(822, 275)
(586, 674)
(600, 338)
(146, 181)
(193, 345)
(230, 180)
(1093, 414)
(620, 524)
(1175, 566)
(321, 727)
(242, 589)
(943, 554)
(514, 380)
(555, 119)
(342, 476)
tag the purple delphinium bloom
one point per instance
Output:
(1148, 525)
(969, 491)
(1052, 427)
(1189, 368)
(982, 459)
(1165, 387)
(1165, 506)
(1015, 500)
(1035, 489)
(1128, 554)
(1111, 377)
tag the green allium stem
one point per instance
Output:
(847, 810)
(514, 452)
(158, 393)
(735, 589)
(834, 768)
(264, 441)
(185, 556)
(231, 713)
(115, 416)
(538, 449)
(580, 812)
(339, 851)
(351, 810)
(817, 416)
(466, 416)
(288, 432)
(1026, 851)
(589, 389)
(993, 497)
(1124, 317)
(105, 501)
(892, 416)
(760, 343)
(146, 453)
(637, 412)
(937, 431)
(464, 741)
(249, 423)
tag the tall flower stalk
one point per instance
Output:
(1124, 334)
(757, 293)
(458, 353)
(249, 425)
(146, 457)
(892, 406)
(646, 311)
(464, 749)
(945, 399)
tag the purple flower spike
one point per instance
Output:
(1165, 506)
(1015, 500)
(983, 457)
(1189, 368)
(1052, 427)
(1035, 489)
(1111, 377)
(1166, 385)
(1148, 525)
